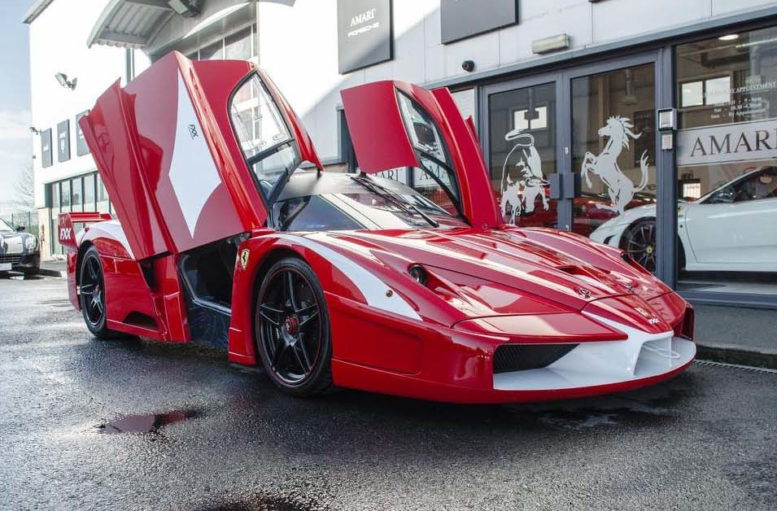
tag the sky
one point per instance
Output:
(15, 136)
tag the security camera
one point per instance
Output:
(186, 8)
(468, 65)
(64, 82)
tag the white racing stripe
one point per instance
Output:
(371, 287)
(192, 172)
(112, 229)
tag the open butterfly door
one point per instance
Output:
(178, 154)
(395, 124)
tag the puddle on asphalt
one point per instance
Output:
(266, 503)
(146, 423)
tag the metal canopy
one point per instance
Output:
(130, 23)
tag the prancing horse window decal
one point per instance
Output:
(619, 187)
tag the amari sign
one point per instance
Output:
(743, 141)
(363, 33)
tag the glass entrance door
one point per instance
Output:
(522, 149)
(594, 125)
(613, 148)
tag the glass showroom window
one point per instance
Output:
(77, 190)
(239, 45)
(522, 131)
(103, 204)
(89, 204)
(613, 148)
(55, 208)
(727, 176)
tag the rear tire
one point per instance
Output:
(292, 333)
(92, 295)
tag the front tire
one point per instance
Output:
(292, 332)
(92, 294)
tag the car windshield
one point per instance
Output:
(361, 202)
(4, 226)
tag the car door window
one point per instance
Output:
(435, 179)
(760, 185)
(265, 140)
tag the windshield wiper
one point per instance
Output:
(393, 198)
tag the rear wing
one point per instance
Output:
(67, 235)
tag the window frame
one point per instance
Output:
(269, 198)
(421, 153)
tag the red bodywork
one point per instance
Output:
(489, 285)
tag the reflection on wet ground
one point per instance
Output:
(146, 423)
(267, 503)
(637, 407)
(702, 440)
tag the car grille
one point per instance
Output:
(10, 258)
(519, 357)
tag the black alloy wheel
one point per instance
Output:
(292, 329)
(92, 294)
(639, 241)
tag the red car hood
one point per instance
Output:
(508, 273)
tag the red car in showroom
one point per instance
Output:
(229, 231)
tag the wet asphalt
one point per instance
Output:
(129, 424)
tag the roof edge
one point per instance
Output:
(98, 26)
(35, 10)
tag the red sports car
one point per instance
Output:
(230, 232)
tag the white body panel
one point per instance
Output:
(741, 236)
(592, 364)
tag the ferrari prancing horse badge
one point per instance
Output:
(244, 258)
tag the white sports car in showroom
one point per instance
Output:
(732, 228)
(19, 251)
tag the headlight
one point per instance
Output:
(30, 242)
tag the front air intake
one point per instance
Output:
(519, 357)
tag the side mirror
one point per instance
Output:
(725, 196)
(20, 228)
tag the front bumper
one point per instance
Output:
(454, 365)
(23, 263)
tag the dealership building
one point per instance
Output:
(646, 124)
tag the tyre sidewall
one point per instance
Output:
(99, 329)
(320, 379)
(629, 234)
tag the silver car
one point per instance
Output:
(19, 250)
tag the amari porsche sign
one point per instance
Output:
(364, 33)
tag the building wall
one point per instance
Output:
(298, 44)
(58, 44)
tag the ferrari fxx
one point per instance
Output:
(229, 231)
